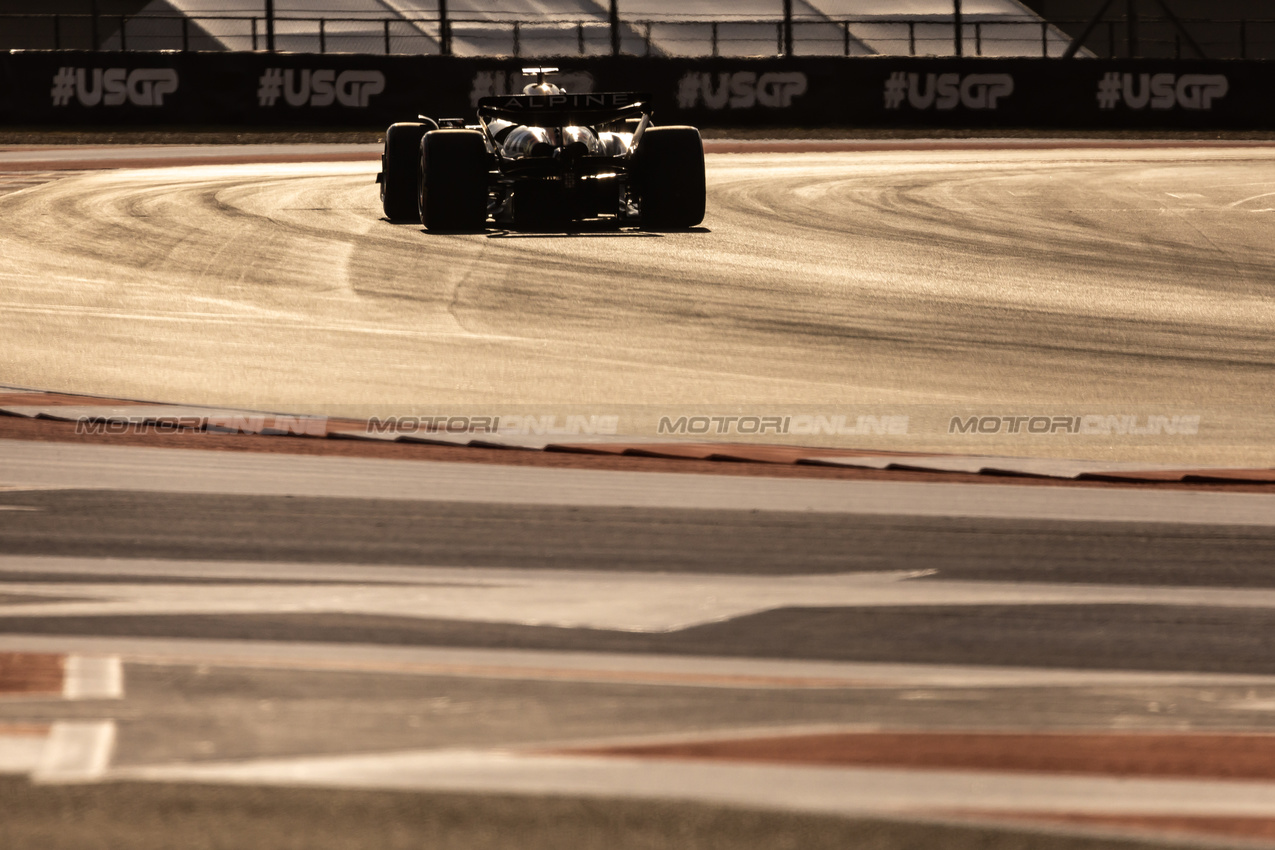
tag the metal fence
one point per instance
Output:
(794, 35)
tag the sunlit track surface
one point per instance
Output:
(262, 642)
(998, 281)
(228, 649)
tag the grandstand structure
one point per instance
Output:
(1169, 29)
(546, 28)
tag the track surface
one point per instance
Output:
(923, 283)
(418, 640)
(249, 650)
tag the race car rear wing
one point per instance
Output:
(562, 110)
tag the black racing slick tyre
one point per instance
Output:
(453, 185)
(669, 162)
(400, 169)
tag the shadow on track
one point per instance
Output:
(601, 228)
(597, 229)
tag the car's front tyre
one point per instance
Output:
(400, 169)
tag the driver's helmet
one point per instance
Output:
(541, 89)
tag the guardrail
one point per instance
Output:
(726, 36)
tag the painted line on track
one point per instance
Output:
(618, 601)
(76, 752)
(190, 471)
(93, 677)
(813, 789)
(706, 671)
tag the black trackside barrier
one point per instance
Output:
(261, 89)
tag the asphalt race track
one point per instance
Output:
(211, 647)
(925, 283)
(226, 649)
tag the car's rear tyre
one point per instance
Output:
(400, 169)
(669, 166)
(452, 194)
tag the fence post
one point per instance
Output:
(1044, 39)
(57, 32)
(254, 32)
(911, 38)
(615, 27)
(958, 27)
(648, 38)
(978, 38)
(323, 36)
(845, 38)
(444, 30)
(1131, 18)
(1181, 32)
(387, 36)
(787, 31)
(1079, 41)
(270, 26)
(714, 40)
(517, 39)
(93, 25)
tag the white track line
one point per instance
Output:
(76, 752)
(93, 677)
(813, 789)
(21, 752)
(613, 601)
(680, 670)
(231, 473)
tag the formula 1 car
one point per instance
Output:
(545, 159)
